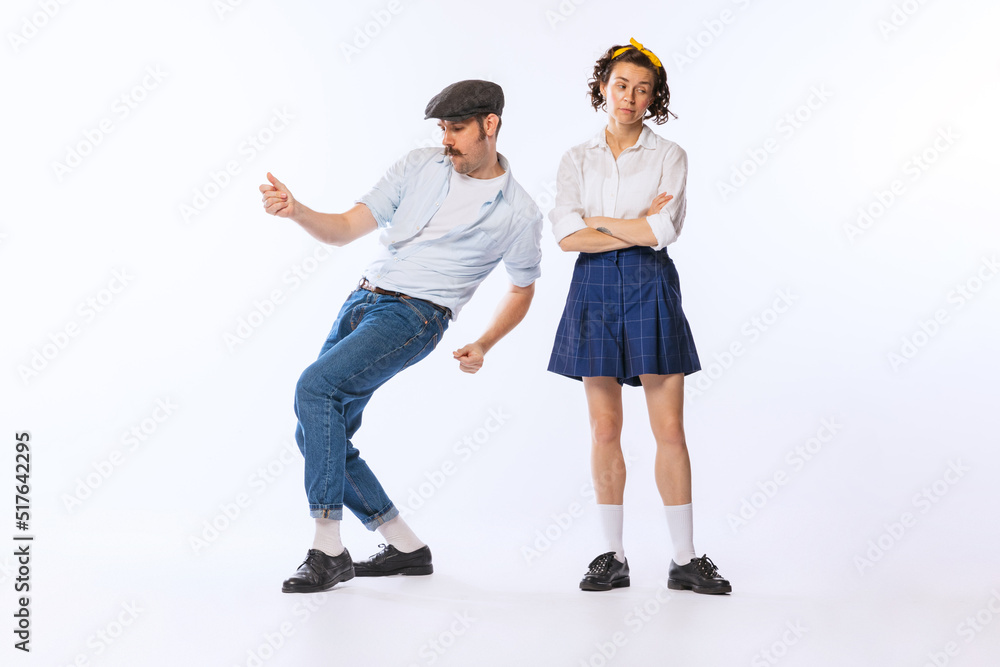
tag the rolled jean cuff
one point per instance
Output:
(334, 512)
(388, 514)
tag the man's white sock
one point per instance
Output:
(327, 537)
(681, 524)
(612, 520)
(398, 534)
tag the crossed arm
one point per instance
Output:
(603, 234)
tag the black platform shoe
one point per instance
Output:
(604, 573)
(700, 575)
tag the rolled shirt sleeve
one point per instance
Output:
(523, 260)
(666, 225)
(383, 199)
(567, 215)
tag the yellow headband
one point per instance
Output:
(638, 47)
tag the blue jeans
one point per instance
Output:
(374, 338)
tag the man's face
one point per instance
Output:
(464, 144)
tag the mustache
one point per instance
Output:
(448, 150)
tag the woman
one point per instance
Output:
(619, 202)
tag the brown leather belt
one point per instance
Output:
(365, 285)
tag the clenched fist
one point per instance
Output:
(470, 357)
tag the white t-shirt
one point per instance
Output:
(466, 196)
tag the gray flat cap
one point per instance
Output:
(464, 99)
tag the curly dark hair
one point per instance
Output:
(657, 109)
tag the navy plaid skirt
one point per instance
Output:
(623, 318)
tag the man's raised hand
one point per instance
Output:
(277, 199)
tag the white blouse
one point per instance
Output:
(592, 183)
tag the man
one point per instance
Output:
(446, 220)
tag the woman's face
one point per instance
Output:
(628, 92)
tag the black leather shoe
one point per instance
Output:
(391, 560)
(604, 573)
(700, 575)
(319, 572)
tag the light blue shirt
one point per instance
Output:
(447, 270)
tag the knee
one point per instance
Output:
(670, 437)
(312, 383)
(606, 432)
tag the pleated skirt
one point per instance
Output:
(623, 318)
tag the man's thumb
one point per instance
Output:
(275, 182)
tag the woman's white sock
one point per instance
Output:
(680, 521)
(612, 520)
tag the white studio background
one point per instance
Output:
(838, 265)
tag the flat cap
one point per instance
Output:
(464, 99)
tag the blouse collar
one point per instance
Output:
(646, 139)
